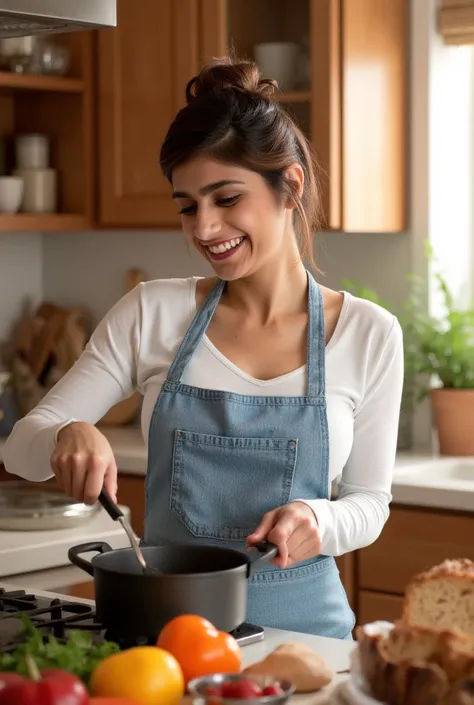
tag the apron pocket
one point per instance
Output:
(221, 486)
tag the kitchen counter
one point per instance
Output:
(420, 479)
(39, 558)
(335, 651)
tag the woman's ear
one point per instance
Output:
(295, 174)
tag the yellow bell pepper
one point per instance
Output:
(147, 674)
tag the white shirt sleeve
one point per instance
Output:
(356, 518)
(104, 374)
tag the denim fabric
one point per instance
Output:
(217, 461)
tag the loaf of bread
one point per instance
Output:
(428, 657)
(417, 666)
(298, 663)
(442, 598)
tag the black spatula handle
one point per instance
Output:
(112, 509)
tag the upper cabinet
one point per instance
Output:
(342, 68)
(348, 92)
(143, 68)
(46, 91)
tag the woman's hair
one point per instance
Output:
(231, 116)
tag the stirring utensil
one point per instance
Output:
(115, 513)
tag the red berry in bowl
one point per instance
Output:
(273, 689)
(242, 690)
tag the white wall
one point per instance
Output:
(21, 277)
(88, 268)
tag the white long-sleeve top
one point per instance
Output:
(135, 343)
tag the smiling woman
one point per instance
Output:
(230, 118)
(260, 386)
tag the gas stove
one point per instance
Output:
(56, 616)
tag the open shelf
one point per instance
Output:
(33, 82)
(45, 222)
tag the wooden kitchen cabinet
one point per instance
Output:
(131, 493)
(413, 540)
(143, 68)
(62, 108)
(354, 108)
(374, 606)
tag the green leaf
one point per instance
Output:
(78, 655)
(439, 349)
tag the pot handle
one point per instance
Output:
(267, 551)
(74, 554)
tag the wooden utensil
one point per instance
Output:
(43, 344)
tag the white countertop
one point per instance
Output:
(336, 652)
(419, 479)
(29, 551)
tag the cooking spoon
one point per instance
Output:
(115, 513)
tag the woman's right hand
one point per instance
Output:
(83, 463)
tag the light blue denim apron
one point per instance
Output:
(217, 461)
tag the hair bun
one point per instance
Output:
(225, 73)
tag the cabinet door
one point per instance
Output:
(375, 51)
(353, 108)
(131, 493)
(413, 540)
(375, 606)
(143, 68)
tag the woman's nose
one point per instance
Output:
(207, 224)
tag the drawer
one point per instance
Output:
(131, 493)
(83, 590)
(412, 541)
(373, 606)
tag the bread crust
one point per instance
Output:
(417, 666)
(427, 658)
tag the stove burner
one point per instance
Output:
(57, 616)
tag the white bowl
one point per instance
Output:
(11, 193)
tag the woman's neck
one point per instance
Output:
(276, 290)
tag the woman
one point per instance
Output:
(260, 386)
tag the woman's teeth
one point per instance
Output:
(225, 246)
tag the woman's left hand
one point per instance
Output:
(294, 529)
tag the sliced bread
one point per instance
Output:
(442, 597)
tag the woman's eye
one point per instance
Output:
(226, 202)
(187, 210)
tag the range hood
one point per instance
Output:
(19, 18)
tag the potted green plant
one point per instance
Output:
(445, 357)
(439, 361)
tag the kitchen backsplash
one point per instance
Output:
(21, 276)
(88, 268)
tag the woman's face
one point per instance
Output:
(231, 216)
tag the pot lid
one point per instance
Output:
(24, 500)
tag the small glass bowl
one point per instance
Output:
(197, 689)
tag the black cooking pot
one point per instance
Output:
(205, 580)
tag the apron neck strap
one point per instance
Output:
(315, 365)
(316, 342)
(195, 332)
